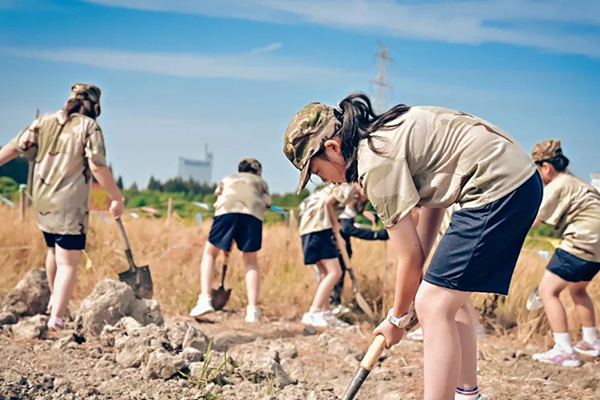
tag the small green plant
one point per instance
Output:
(210, 374)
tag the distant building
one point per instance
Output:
(596, 180)
(196, 170)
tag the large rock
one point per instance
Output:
(135, 349)
(30, 328)
(261, 362)
(182, 335)
(7, 318)
(109, 302)
(30, 296)
(163, 365)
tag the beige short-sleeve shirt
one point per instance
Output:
(438, 157)
(573, 207)
(243, 193)
(314, 215)
(61, 147)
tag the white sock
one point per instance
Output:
(590, 335)
(466, 394)
(563, 340)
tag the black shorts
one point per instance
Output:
(67, 242)
(572, 268)
(245, 229)
(480, 249)
(318, 246)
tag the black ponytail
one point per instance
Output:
(359, 121)
(80, 106)
(559, 162)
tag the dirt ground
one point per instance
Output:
(320, 364)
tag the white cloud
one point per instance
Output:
(258, 65)
(470, 22)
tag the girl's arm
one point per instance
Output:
(405, 238)
(103, 175)
(429, 227)
(331, 202)
(7, 153)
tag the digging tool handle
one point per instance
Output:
(225, 262)
(342, 247)
(374, 352)
(128, 252)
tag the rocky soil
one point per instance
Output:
(119, 347)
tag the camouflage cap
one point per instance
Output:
(251, 163)
(546, 150)
(309, 129)
(85, 91)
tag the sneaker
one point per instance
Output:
(558, 356)
(589, 349)
(416, 335)
(333, 321)
(252, 314)
(314, 318)
(55, 324)
(203, 306)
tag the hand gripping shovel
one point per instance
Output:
(362, 303)
(220, 296)
(366, 365)
(138, 278)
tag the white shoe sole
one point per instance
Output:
(201, 313)
(591, 353)
(566, 363)
(305, 321)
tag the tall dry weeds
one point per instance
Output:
(174, 253)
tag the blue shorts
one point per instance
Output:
(572, 268)
(67, 242)
(480, 249)
(318, 246)
(245, 229)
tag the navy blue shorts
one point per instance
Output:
(318, 246)
(67, 242)
(572, 268)
(245, 229)
(480, 249)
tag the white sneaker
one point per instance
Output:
(252, 314)
(416, 335)
(55, 324)
(558, 356)
(314, 318)
(203, 306)
(333, 321)
(589, 349)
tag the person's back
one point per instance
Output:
(243, 193)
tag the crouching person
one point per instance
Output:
(242, 199)
(68, 147)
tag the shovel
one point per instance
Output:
(220, 296)
(138, 278)
(366, 365)
(362, 303)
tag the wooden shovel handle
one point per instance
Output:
(342, 247)
(373, 353)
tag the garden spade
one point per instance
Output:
(220, 296)
(138, 278)
(360, 300)
(366, 365)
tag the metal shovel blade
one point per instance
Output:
(534, 301)
(220, 296)
(140, 280)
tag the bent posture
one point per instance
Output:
(68, 147)
(435, 157)
(573, 207)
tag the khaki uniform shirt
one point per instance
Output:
(314, 215)
(61, 148)
(573, 207)
(242, 193)
(439, 157)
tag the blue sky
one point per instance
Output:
(178, 73)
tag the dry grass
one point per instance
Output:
(174, 253)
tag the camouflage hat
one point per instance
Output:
(85, 91)
(309, 129)
(251, 163)
(546, 150)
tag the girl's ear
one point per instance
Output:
(333, 145)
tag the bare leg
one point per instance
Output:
(437, 308)
(207, 268)
(51, 267)
(550, 288)
(583, 304)
(332, 273)
(252, 277)
(64, 282)
(468, 344)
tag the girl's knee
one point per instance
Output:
(548, 291)
(578, 291)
